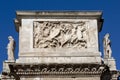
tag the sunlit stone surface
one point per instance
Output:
(60, 45)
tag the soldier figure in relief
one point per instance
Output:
(107, 46)
(10, 48)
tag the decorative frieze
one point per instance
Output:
(57, 69)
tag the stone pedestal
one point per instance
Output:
(111, 63)
(6, 66)
(6, 70)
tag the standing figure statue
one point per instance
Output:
(10, 48)
(107, 46)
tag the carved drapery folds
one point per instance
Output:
(11, 48)
(107, 46)
(56, 34)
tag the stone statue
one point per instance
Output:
(10, 48)
(107, 46)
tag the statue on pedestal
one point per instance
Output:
(10, 48)
(107, 46)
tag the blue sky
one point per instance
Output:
(111, 15)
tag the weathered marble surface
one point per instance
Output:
(58, 37)
(81, 78)
(108, 59)
(29, 41)
(59, 60)
(107, 46)
(10, 49)
(59, 46)
(111, 63)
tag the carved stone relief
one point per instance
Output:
(54, 34)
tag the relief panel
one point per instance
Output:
(63, 34)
